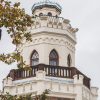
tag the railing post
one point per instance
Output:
(73, 72)
(12, 74)
(41, 67)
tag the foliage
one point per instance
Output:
(10, 97)
(43, 96)
(17, 22)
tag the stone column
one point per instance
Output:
(40, 77)
(78, 83)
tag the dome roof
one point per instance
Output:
(46, 3)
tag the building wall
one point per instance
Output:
(44, 44)
(50, 33)
(59, 87)
(47, 38)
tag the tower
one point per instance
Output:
(51, 56)
(51, 33)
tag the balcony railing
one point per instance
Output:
(52, 71)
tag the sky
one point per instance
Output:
(83, 14)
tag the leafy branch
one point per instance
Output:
(17, 22)
(43, 96)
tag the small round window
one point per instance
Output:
(41, 14)
(49, 14)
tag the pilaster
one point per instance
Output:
(78, 82)
(40, 77)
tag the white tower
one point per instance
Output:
(51, 34)
(51, 56)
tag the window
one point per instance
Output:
(41, 14)
(34, 58)
(49, 14)
(69, 60)
(53, 58)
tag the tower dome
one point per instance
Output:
(41, 8)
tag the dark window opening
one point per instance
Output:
(53, 58)
(49, 14)
(34, 58)
(69, 60)
(41, 14)
(35, 15)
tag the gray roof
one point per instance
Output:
(46, 3)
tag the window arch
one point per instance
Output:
(34, 58)
(49, 14)
(69, 60)
(53, 58)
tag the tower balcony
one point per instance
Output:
(50, 71)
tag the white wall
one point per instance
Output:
(59, 87)
(44, 44)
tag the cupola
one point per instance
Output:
(46, 8)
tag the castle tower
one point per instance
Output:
(51, 56)
(51, 34)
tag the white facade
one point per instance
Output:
(51, 33)
(59, 87)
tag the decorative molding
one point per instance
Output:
(54, 22)
(51, 40)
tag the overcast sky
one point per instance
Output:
(83, 14)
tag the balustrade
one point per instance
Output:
(51, 71)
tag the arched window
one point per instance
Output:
(34, 58)
(49, 14)
(41, 14)
(53, 58)
(69, 60)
